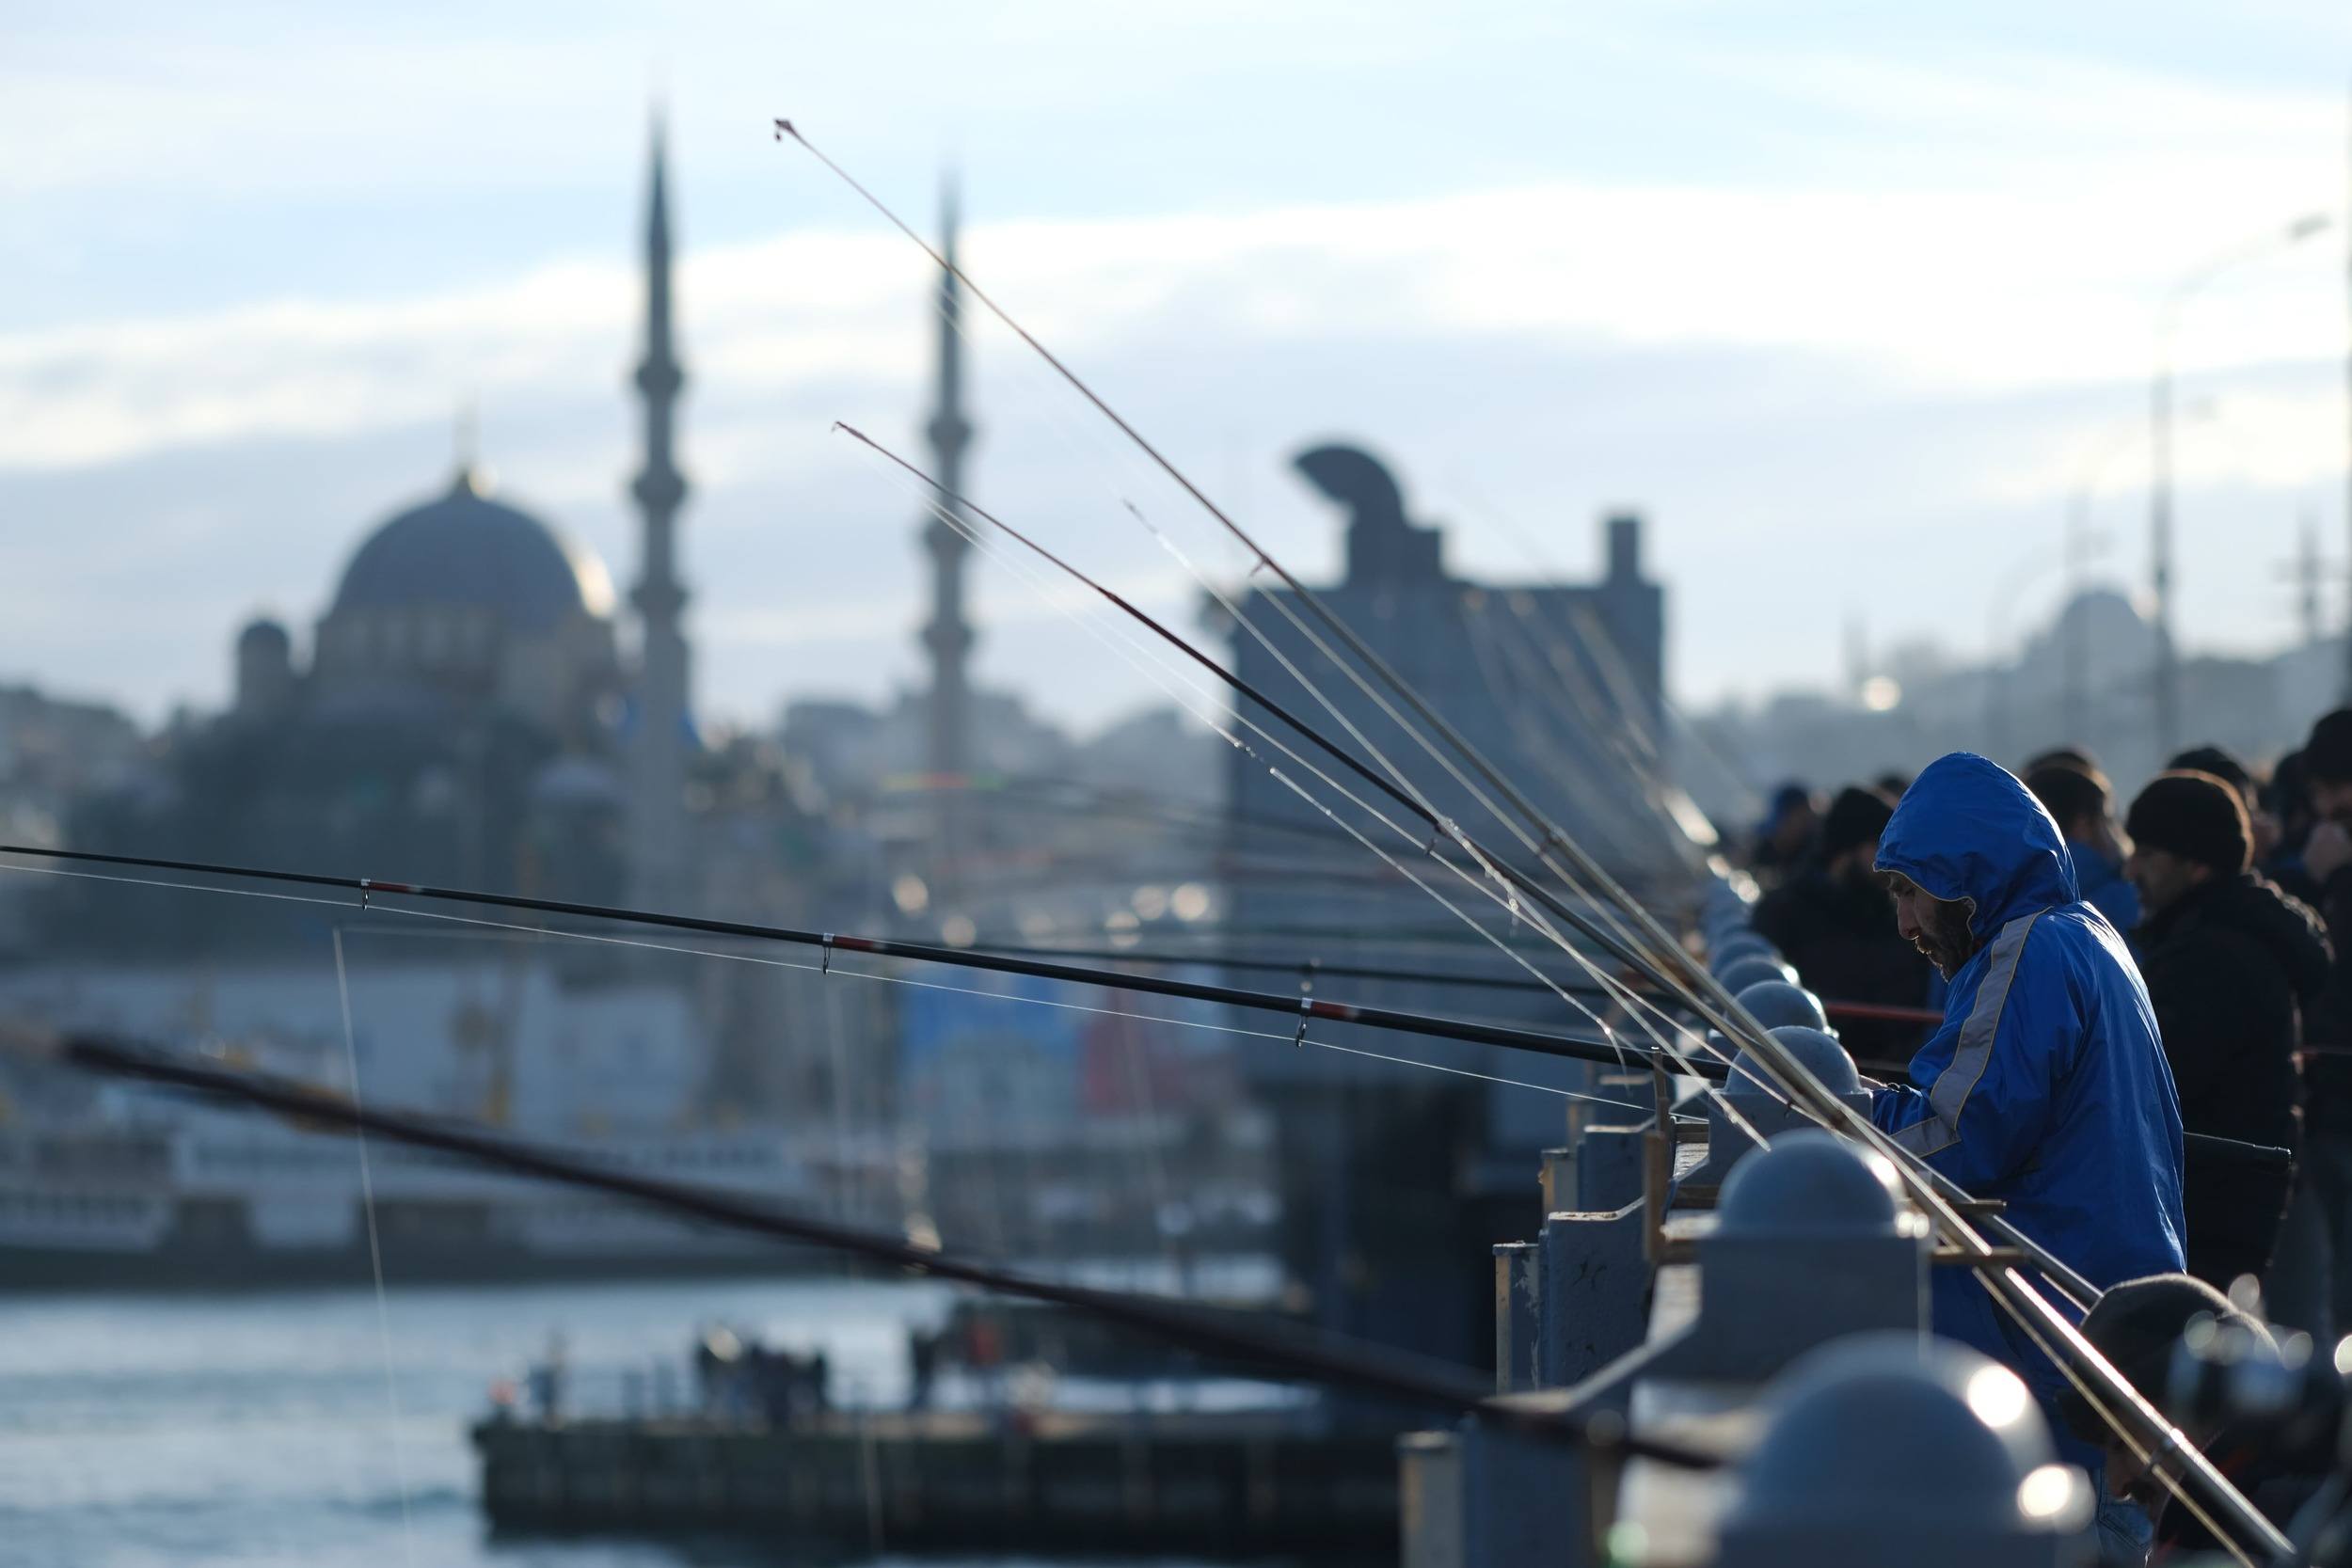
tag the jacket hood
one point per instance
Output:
(1967, 829)
(2286, 927)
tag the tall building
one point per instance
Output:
(1561, 686)
(454, 715)
(658, 742)
(947, 636)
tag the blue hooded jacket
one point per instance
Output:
(2045, 1085)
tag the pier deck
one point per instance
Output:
(1226, 1484)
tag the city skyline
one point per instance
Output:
(1858, 362)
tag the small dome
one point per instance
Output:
(263, 635)
(1816, 1051)
(463, 548)
(1888, 1446)
(1751, 969)
(1808, 1183)
(1775, 1002)
(1735, 945)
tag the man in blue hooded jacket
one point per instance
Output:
(2045, 1085)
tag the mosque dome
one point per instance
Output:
(466, 551)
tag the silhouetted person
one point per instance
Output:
(2230, 962)
(2226, 765)
(1835, 922)
(2062, 756)
(1786, 839)
(2136, 1326)
(2327, 1026)
(2288, 800)
(2044, 1087)
(2079, 801)
(922, 1366)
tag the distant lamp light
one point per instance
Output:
(1880, 694)
(1150, 901)
(1121, 926)
(1190, 902)
(910, 893)
(956, 930)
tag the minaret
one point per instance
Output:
(948, 637)
(657, 773)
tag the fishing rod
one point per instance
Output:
(1667, 954)
(1441, 828)
(1015, 961)
(2121, 1405)
(1312, 1354)
(1301, 1009)
(2135, 1415)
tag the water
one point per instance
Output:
(259, 1429)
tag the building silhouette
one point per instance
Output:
(1384, 1166)
(465, 715)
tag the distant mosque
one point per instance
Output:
(466, 715)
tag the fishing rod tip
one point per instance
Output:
(783, 129)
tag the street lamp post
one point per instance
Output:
(2160, 462)
(2080, 502)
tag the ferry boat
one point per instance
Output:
(210, 1200)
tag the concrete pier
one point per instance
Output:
(1223, 1485)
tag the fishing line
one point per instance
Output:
(952, 519)
(1665, 955)
(1515, 696)
(376, 1259)
(1330, 1010)
(842, 969)
(847, 1211)
(1308, 1355)
(953, 318)
(1624, 996)
(1774, 1057)
(951, 514)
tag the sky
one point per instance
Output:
(1854, 304)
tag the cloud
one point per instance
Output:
(1924, 287)
(1823, 312)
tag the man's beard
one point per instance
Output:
(1945, 937)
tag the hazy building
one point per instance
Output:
(1560, 687)
(463, 716)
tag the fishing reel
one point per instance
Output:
(2290, 1405)
(2280, 1395)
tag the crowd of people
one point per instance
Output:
(2055, 991)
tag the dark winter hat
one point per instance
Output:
(2069, 791)
(2194, 816)
(2064, 756)
(2220, 763)
(2136, 1325)
(2327, 756)
(1856, 817)
(2286, 793)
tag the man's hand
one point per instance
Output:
(2328, 851)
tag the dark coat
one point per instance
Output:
(2230, 967)
(2327, 1021)
(1840, 936)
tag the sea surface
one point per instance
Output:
(313, 1428)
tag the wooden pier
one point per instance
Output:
(1228, 1486)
